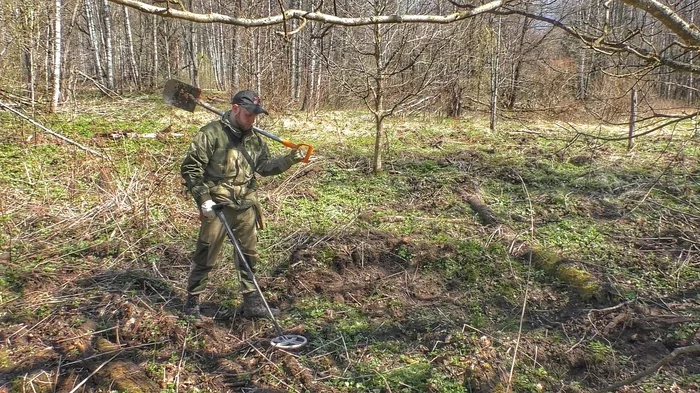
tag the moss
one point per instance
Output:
(582, 281)
(545, 260)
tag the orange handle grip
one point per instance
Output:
(309, 148)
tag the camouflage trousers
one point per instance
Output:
(212, 235)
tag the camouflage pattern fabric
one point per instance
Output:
(215, 169)
(210, 242)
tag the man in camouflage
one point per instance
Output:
(220, 167)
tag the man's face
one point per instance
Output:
(244, 118)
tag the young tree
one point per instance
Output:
(391, 67)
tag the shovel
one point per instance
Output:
(187, 97)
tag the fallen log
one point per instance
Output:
(581, 280)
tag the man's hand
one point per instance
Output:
(207, 209)
(297, 155)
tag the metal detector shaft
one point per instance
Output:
(218, 209)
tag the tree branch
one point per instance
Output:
(686, 31)
(313, 16)
(599, 43)
(693, 349)
(54, 133)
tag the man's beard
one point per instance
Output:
(234, 122)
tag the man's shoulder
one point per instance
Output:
(213, 126)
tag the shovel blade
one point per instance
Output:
(181, 95)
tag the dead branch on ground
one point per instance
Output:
(51, 132)
(689, 350)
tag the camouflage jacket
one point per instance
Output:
(214, 167)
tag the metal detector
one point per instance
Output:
(282, 341)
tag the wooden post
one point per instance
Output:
(633, 118)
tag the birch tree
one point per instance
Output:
(108, 44)
(56, 58)
(130, 45)
(94, 39)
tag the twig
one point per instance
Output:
(87, 334)
(106, 91)
(58, 372)
(527, 286)
(692, 349)
(267, 359)
(93, 373)
(347, 354)
(182, 355)
(116, 350)
(57, 135)
(613, 308)
(23, 328)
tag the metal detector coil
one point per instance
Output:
(282, 341)
(288, 341)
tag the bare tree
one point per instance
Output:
(56, 58)
(94, 39)
(130, 45)
(391, 68)
(108, 43)
(553, 55)
(27, 31)
(495, 76)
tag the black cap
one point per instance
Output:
(250, 100)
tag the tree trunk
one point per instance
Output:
(130, 44)
(378, 100)
(633, 119)
(57, 59)
(154, 35)
(167, 55)
(236, 52)
(294, 67)
(379, 122)
(94, 40)
(517, 67)
(257, 67)
(494, 77)
(194, 67)
(310, 95)
(28, 52)
(317, 55)
(236, 60)
(221, 59)
(108, 45)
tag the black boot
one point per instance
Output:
(191, 307)
(253, 306)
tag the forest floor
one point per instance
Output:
(538, 258)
